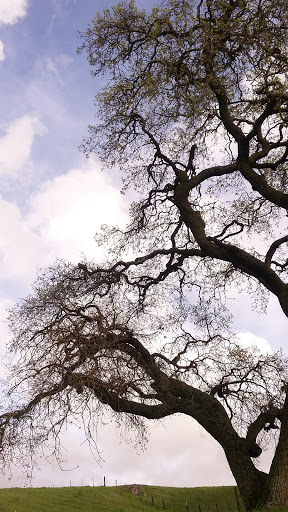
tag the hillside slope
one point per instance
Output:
(118, 499)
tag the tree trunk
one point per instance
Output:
(251, 482)
(278, 476)
(209, 413)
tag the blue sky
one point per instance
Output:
(42, 76)
(52, 201)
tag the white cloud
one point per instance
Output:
(2, 54)
(247, 340)
(21, 250)
(16, 144)
(12, 11)
(69, 209)
(62, 220)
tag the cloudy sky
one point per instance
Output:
(52, 201)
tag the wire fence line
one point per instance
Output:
(201, 508)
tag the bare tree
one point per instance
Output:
(195, 113)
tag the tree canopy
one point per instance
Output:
(194, 112)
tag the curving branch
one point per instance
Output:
(273, 248)
(266, 421)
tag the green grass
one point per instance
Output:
(117, 499)
(274, 509)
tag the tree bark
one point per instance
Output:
(251, 482)
(278, 476)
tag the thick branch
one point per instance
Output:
(267, 417)
(258, 183)
(273, 248)
(217, 249)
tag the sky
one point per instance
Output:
(52, 202)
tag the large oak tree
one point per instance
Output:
(194, 111)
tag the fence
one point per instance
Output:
(188, 507)
(177, 508)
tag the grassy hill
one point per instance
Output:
(118, 499)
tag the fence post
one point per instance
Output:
(152, 500)
(187, 506)
(163, 504)
(237, 499)
(104, 481)
(199, 508)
